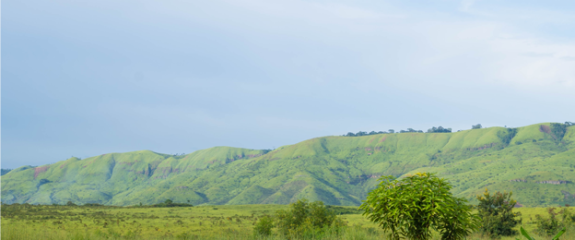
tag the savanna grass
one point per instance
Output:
(203, 222)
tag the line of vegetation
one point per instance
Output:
(4, 171)
(419, 206)
(560, 130)
(167, 203)
(439, 129)
(415, 207)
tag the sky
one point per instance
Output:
(83, 78)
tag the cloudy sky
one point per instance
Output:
(82, 78)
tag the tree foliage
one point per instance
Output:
(361, 133)
(558, 130)
(413, 206)
(304, 217)
(507, 135)
(4, 171)
(170, 203)
(548, 226)
(439, 129)
(496, 212)
(410, 130)
(264, 226)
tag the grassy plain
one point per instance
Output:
(200, 222)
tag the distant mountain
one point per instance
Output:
(536, 162)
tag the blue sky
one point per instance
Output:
(82, 78)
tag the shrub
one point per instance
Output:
(552, 224)
(497, 216)
(304, 218)
(264, 226)
(411, 207)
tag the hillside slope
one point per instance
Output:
(536, 162)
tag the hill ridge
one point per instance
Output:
(338, 170)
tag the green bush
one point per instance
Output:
(264, 226)
(497, 216)
(304, 217)
(300, 220)
(411, 207)
(555, 221)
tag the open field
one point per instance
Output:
(201, 222)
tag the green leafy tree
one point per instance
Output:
(411, 207)
(478, 126)
(496, 212)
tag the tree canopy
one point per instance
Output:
(410, 130)
(411, 207)
(439, 129)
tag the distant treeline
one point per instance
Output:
(4, 171)
(167, 203)
(439, 129)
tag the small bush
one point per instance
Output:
(264, 226)
(555, 221)
(304, 217)
(496, 211)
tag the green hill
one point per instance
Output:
(4, 171)
(536, 162)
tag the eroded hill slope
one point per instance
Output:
(536, 162)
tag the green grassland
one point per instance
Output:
(203, 222)
(336, 170)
